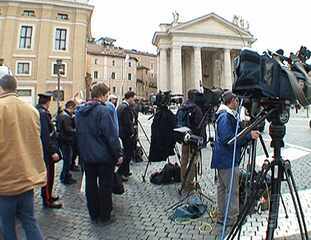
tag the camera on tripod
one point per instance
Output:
(185, 135)
(267, 77)
(267, 82)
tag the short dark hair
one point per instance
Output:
(44, 100)
(192, 93)
(129, 94)
(70, 104)
(8, 83)
(99, 90)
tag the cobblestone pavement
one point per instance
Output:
(140, 212)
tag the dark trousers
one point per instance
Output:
(98, 183)
(67, 160)
(128, 146)
(46, 191)
(21, 207)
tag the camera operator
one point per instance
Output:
(193, 118)
(223, 154)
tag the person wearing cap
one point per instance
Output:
(222, 157)
(21, 161)
(50, 149)
(67, 131)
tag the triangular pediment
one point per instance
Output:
(211, 24)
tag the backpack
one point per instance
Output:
(169, 174)
(183, 116)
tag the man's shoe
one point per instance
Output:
(124, 178)
(107, 221)
(70, 181)
(129, 174)
(53, 205)
(54, 199)
(75, 169)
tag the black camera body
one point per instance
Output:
(264, 76)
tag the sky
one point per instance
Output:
(274, 23)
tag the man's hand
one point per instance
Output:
(55, 157)
(120, 161)
(255, 134)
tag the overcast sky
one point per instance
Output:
(275, 23)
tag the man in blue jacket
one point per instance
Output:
(100, 151)
(223, 156)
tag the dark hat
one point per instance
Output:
(280, 52)
(47, 94)
(228, 96)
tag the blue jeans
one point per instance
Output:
(21, 207)
(67, 159)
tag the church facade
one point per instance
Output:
(199, 53)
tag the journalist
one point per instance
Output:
(222, 157)
(99, 150)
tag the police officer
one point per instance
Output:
(50, 149)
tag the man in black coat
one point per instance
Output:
(67, 132)
(50, 149)
(99, 150)
(126, 132)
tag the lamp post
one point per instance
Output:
(123, 66)
(59, 72)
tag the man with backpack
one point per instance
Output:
(189, 115)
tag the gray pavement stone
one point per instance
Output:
(140, 212)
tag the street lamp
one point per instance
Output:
(60, 71)
(127, 57)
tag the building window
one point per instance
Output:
(113, 63)
(130, 64)
(113, 89)
(113, 75)
(25, 37)
(61, 68)
(62, 16)
(29, 13)
(130, 89)
(96, 61)
(95, 75)
(60, 39)
(23, 68)
(129, 76)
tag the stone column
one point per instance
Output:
(176, 68)
(163, 79)
(197, 68)
(227, 70)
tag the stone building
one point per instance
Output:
(35, 33)
(121, 69)
(199, 52)
(146, 73)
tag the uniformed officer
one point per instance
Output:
(50, 149)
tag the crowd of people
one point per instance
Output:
(103, 135)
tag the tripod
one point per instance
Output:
(280, 171)
(196, 151)
(149, 162)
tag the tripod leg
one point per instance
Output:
(283, 203)
(144, 176)
(188, 171)
(141, 126)
(295, 197)
(255, 195)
